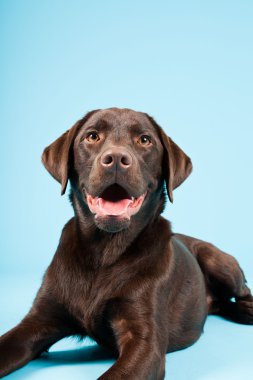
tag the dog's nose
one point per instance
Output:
(116, 157)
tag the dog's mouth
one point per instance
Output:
(115, 201)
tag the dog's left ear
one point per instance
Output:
(56, 156)
(177, 165)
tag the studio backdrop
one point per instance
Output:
(189, 65)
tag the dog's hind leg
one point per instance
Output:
(230, 296)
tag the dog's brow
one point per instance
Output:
(98, 125)
(139, 128)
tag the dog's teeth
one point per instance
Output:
(132, 198)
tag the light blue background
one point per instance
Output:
(187, 63)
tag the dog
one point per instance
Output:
(120, 275)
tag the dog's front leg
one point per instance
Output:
(141, 352)
(45, 324)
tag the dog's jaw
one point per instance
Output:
(123, 208)
(114, 208)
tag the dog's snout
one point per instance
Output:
(116, 157)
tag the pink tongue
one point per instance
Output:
(114, 208)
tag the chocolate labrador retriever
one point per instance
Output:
(120, 275)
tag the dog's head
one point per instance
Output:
(117, 161)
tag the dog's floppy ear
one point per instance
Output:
(177, 165)
(56, 156)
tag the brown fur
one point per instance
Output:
(133, 286)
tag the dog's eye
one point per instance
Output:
(144, 140)
(92, 137)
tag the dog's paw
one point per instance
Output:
(240, 311)
(244, 311)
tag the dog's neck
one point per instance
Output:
(106, 248)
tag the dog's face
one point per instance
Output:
(117, 160)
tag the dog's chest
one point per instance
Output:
(90, 297)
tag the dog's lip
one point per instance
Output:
(114, 201)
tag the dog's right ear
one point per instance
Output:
(56, 156)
